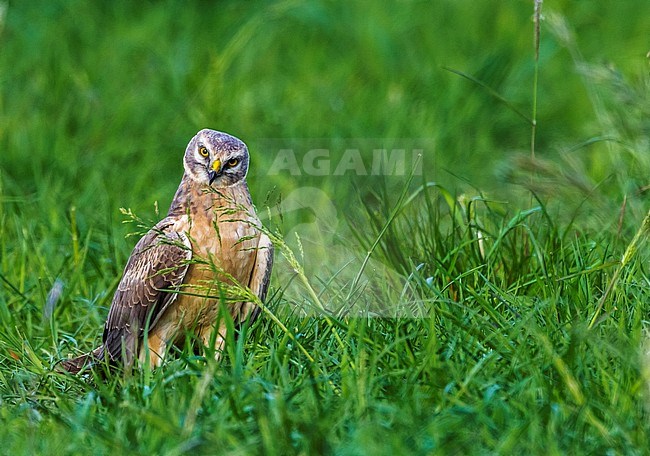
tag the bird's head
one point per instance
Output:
(215, 158)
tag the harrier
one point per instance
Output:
(186, 266)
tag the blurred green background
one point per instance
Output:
(99, 99)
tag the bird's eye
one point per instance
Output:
(233, 162)
(203, 151)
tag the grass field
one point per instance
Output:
(494, 300)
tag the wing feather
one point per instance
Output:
(156, 269)
(260, 278)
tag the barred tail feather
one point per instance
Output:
(76, 365)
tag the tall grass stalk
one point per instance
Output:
(537, 18)
(630, 253)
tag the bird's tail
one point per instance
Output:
(75, 365)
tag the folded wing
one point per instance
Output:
(151, 278)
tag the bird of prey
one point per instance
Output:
(189, 263)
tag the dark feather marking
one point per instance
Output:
(159, 262)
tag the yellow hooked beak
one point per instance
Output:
(216, 165)
(215, 170)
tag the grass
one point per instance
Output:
(497, 303)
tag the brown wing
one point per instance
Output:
(156, 268)
(260, 278)
(261, 275)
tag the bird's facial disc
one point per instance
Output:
(216, 158)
